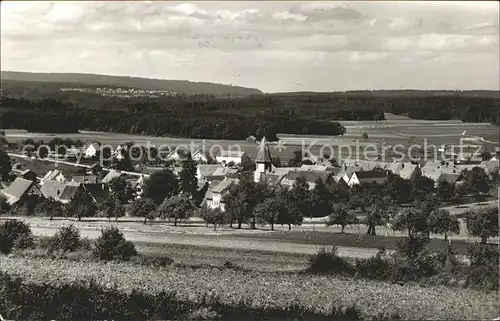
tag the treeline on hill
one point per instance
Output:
(205, 116)
(195, 117)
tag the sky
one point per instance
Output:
(272, 46)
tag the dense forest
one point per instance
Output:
(39, 107)
(195, 118)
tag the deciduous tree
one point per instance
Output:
(341, 215)
(161, 185)
(482, 223)
(177, 207)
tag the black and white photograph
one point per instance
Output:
(249, 160)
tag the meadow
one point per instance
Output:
(260, 291)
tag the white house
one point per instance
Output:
(118, 154)
(199, 157)
(364, 177)
(55, 175)
(90, 148)
(173, 156)
(204, 171)
(218, 192)
(235, 157)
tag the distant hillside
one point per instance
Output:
(180, 86)
(402, 93)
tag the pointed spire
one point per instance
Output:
(264, 155)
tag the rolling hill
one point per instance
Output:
(180, 86)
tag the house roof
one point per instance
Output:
(91, 142)
(207, 170)
(407, 170)
(321, 168)
(109, 176)
(450, 178)
(52, 189)
(361, 175)
(27, 171)
(223, 186)
(272, 178)
(51, 175)
(69, 191)
(97, 192)
(263, 155)
(223, 171)
(17, 189)
(230, 153)
(491, 166)
(351, 169)
(395, 167)
(310, 176)
(85, 179)
(198, 152)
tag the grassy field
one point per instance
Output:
(260, 290)
(40, 167)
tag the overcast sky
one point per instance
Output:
(273, 46)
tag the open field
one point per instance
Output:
(268, 290)
(389, 132)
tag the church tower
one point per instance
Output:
(263, 161)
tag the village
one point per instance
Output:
(215, 177)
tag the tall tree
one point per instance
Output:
(81, 206)
(482, 223)
(440, 221)
(320, 199)
(341, 215)
(296, 159)
(478, 181)
(177, 207)
(444, 191)
(121, 188)
(112, 207)
(143, 207)
(212, 216)
(49, 207)
(5, 165)
(161, 185)
(300, 196)
(187, 176)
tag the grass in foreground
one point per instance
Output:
(353, 240)
(318, 295)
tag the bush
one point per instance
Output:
(325, 262)
(158, 260)
(67, 239)
(377, 267)
(112, 245)
(15, 234)
(483, 270)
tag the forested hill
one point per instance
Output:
(180, 86)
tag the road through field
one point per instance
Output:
(218, 241)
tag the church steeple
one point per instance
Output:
(263, 160)
(264, 155)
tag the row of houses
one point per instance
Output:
(352, 172)
(55, 185)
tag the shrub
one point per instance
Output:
(113, 245)
(328, 262)
(67, 239)
(377, 267)
(158, 260)
(15, 234)
(483, 270)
